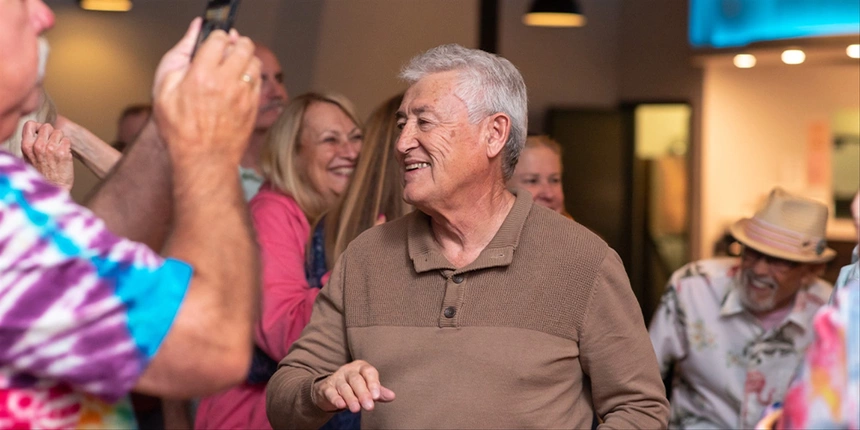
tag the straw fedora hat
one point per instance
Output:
(788, 227)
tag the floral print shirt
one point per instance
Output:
(82, 311)
(727, 368)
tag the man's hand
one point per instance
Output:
(208, 108)
(49, 151)
(354, 386)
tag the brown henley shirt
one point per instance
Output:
(540, 331)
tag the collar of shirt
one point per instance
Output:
(249, 173)
(426, 254)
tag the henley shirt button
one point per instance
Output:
(458, 279)
(450, 311)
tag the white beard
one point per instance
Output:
(743, 281)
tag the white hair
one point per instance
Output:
(488, 84)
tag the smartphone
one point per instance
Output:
(219, 15)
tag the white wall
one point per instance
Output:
(755, 134)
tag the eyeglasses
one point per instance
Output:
(751, 256)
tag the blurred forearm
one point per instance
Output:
(97, 155)
(211, 233)
(135, 200)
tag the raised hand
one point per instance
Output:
(49, 151)
(208, 108)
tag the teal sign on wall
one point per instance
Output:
(730, 23)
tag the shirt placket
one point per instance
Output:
(451, 310)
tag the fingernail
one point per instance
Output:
(368, 404)
(375, 393)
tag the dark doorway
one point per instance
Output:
(626, 178)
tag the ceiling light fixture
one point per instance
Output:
(106, 5)
(744, 61)
(853, 51)
(793, 56)
(554, 13)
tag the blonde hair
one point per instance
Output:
(45, 113)
(279, 157)
(543, 141)
(375, 189)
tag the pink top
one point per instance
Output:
(282, 233)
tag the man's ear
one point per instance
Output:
(498, 127)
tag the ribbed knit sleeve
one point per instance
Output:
(617, 356)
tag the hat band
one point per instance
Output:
(784, 239)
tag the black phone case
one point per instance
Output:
(219, 15)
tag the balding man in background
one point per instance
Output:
(273, 98)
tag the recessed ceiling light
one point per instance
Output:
(793, 56)
(744, 61)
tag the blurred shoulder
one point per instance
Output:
(271, 198)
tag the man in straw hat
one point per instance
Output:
(735, 329)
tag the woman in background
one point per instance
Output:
(308, 160)
(374, 196)
(539, 172)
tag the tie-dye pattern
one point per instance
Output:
(82, 311)
(825, 392)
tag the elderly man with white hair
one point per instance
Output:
(480, 309)
(84, 311)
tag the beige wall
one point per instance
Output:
(366, 42)
(566, 67)
(101, 62)
(630, 50)
(756, 132)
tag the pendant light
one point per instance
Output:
(106, 5)
(554, 13)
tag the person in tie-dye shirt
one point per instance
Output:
(825, 392)
(88, 314)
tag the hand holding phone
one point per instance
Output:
(219, 15)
